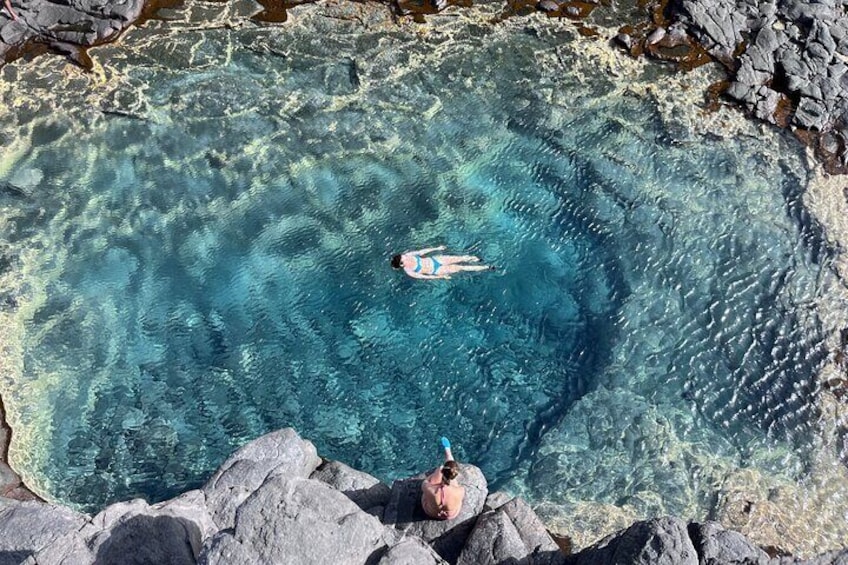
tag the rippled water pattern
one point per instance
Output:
(219, 269)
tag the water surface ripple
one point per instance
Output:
(213, 265)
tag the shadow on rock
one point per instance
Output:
(362, 489)
(405, 506)
(13, 557)
(143, 540)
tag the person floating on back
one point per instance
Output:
(417, 266)
(441, 493)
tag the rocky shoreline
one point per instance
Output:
(786, 62)
(275, 500)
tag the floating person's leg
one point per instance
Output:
(454, 259)
(475, 267)
(448, 270)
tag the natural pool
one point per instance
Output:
(202, 257)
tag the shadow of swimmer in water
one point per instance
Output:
(417, 266)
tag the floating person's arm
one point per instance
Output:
(428, 250)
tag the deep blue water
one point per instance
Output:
(215, 267)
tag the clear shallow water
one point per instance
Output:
(215, 266)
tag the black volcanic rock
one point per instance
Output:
(80, 23)
(788, 63)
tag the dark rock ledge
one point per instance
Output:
(276, 501)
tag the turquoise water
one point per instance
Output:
(210, 263)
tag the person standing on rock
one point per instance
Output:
(417, 266)
(441, 494)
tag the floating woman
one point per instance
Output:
(417, 266)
